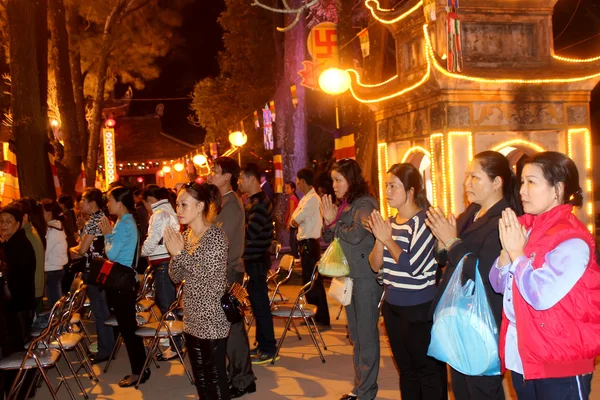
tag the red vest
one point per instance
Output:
(565, 339)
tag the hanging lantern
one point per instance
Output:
(200, 159)
(179, 167)
(110, 123)
(166, 169)
(238, 138)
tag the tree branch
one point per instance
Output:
(287, 10)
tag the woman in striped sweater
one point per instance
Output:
(404, 251)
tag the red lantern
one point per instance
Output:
(140, 179)
(110, 123)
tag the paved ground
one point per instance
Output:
(299, 374)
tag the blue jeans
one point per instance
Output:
(106, 334)
(54, 285)
(166, 293)
(568, 388)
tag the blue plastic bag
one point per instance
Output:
(464, 332)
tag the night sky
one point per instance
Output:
(197, 58)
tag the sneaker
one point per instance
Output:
(263, 358)
(254, 352)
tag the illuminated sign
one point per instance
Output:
(110, 162)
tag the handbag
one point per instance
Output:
(111, 275)
(333, 263)
(341, 290)
(464, 332)
(233, 302)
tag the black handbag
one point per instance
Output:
(111, 275)
(233, 301)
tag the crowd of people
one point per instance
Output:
(536, 260)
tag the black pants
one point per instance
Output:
(567, 388)
(259, 300)
(409, 332)
(238, 347)
(207, 357)
(310, 253)
(123, 303)
(294, 242)
(466, 387)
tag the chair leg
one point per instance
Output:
(33, 383)
(75, 375)
(296, 329)
(150, 355)
(183, 362)
(312, 335)
(339, 312)
(86, 334)
(85, 360)
(318, 333)
(287, 326)
(62, 376)
(113, 353)
(16, 384)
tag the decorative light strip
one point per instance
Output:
(433, 180)
(433, 186)
(382, 147)
(368, 85)
(451, 163)
(414, 150)
(390, 21)
(576, 60)
(399, 93)
(110, 162)
(519, 142)
(444, 71)
(588, 145)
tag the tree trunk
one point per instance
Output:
(354, 114)
(69, 166)
(29, 121)
(41, 32)
(113, 18)
(77, 78)
(291, 125)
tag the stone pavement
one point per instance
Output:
(299, 374)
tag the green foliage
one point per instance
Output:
(247, 65)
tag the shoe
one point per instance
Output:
(349, 396)
(131, 380)
(167, 355)
(237, 392)
(263, 358)
(97, 360)
(254, 352)
(323, 327)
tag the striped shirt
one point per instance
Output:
(259, 227)
(411, 281)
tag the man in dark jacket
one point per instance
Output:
(18, 266)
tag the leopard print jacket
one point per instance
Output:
(203, 266)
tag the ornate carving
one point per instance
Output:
(577, 115)
(458, 117)
(408, 125)
(492, 42)
(435, 118)
(518, 114)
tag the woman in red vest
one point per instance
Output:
(551, 285)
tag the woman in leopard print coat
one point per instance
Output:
(199, 257)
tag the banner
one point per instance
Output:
(54, 174)
(322, 46)
(256, 121)
(363, 36)
(344, 144)
(9, 180)
(267, 128)
(214, 150)
(294, 91)
(278, 165)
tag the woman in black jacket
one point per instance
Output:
(490, 188)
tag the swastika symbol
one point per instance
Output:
(325, 48)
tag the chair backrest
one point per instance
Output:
(175, 304)
(287, 262)
(146, 284)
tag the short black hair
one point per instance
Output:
(229, 166)
(307, 175)
(252, 169)
(66, 201)
(292, 185)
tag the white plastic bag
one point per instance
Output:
(464, 332)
